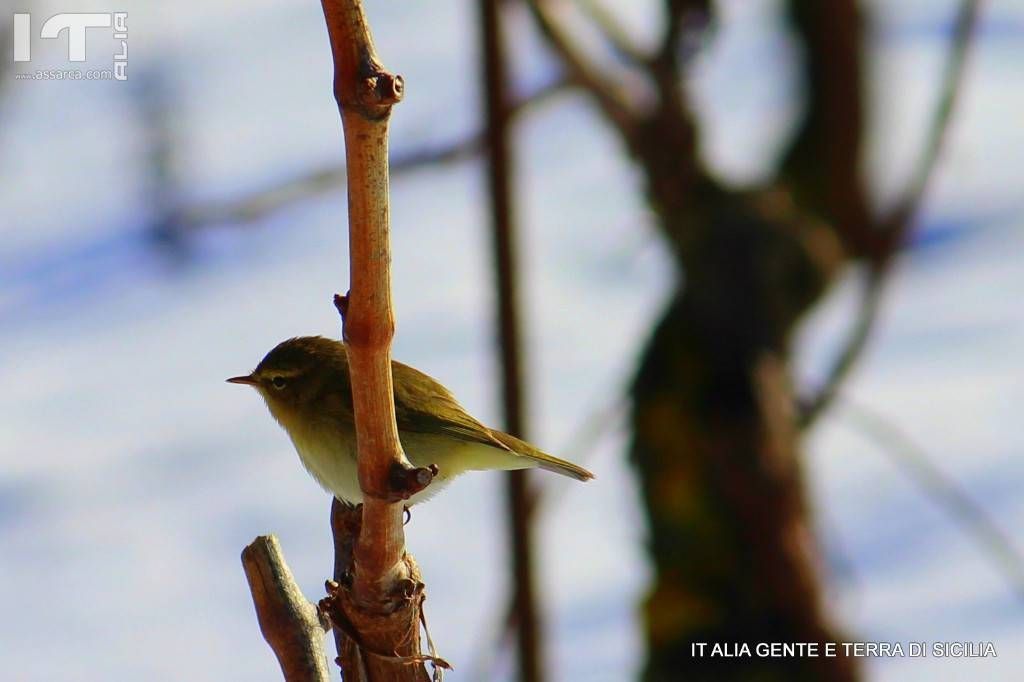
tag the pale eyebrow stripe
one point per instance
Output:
(285, 373)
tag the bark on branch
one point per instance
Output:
(289, 623)
(379, 606)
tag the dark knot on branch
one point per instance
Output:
(382, 89)
(406, 480)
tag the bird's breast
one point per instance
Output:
(329, 455)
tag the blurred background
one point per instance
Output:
(769, 294)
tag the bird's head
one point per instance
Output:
(295, 373)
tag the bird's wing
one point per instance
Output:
(415, 392)
(422, 405)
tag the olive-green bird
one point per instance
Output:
(305, 382)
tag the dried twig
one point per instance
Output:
(894, 229)
(851, 350)
(289, 623)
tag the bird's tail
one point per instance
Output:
(542, 459)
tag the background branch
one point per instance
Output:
(579, 447)
(943, 489)
(289, 623)
(529, 626)
(894, 228)
(618, 39)
(899, 222)
(260, 203)
(605, 93)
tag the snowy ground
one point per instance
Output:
(132, 476)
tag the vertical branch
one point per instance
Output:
(344, 530)
(379, 606)
(496, 105)
(824, 160)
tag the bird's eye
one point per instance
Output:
(278, 382)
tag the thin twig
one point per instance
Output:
(289, 623)
(260, 203)
(894, 442)
(943, 489)
(852, 349)
(900, 220)
(611, 28)
(615, 107)
(580, 447)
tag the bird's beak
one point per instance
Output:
(248, 380)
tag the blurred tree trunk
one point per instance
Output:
(528, 621)
(715, 420)
(715, 441)
(715, 449)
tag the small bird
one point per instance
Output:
(305, 383)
